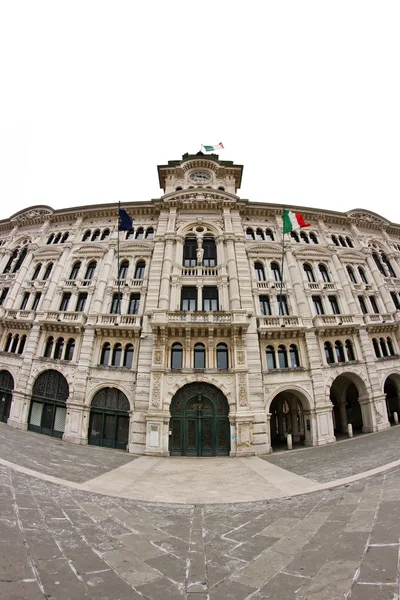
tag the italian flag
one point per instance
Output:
(292, 221)
(219, 146)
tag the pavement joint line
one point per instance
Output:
(87, 486)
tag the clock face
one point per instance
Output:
(200, 176)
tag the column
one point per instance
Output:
(298, 284)
(232, 274)
(344, 282)
(380, 284)
(166, 274)
(294, 425)
(103, 279)
(55, 279)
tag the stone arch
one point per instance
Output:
(199, 379)
(391, 390)
(289, 411)
(99, 386)
(350, 398)
(48, 409)
(6, 393)
(185, 229)
(109, 420)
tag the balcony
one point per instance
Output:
(114, 324)
(199, 322)
(80, 283)
(135, 283)
(267, 285)
(378, 321)
(68, 321)
(199, 271)
(20, 318)
(286, 325)
(337, 324)
(320, 285)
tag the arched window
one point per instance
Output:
(388, 265)
(334, 240)
(324, 272)
(329, 353)
(295, 236)
(105, 234)
(8, 343)
(376, 348)
(276, 271)
(139, 271)
(199, 356)
(269, 235)
(86, 235)
(57, 238)
(351, 275)
(69, 350)
(123, 269)
(49, 347)
(105, 354)
(36, 271)
(390, 346)
(304, 237)
(50, 239)
(65, 237)
(349, 242)
(90, 270)
(178, 189)
(150, 233)
(309, 272)
(59, 348)
(75, 270)
(379, 264)
(22, 344)
(260, 273)
(259, 234)
(210, 252)
(349, 350)
(176, 356)
(342, 242)
(222, 356)
(294, 356)
(363, 277)
(282, 357)
(249, 234)
(313, 238)
(96, 235)
(130, 234)
(383, 346)
(189, 252)
(139, 233)
(116, 355)
(128, 356)
(48, 270)
(339, 351)
(15, 343)
(270, 357)
(221, 188)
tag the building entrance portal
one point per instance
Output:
(6, 390)
(199, 424)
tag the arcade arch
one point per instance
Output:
(345, 394)
(290, 413)
(109, 419)
(391, 390)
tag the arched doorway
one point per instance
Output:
(48, 411)
(109, 419)
(344, 396)
(391, 391)
(287, 416)
(6, 390)
(199, 424)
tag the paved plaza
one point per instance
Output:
(61, 540)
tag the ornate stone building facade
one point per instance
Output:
(179, 338)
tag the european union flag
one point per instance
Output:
(125, 222)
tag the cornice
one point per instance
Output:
(53, 252)
(315, 251)
(270, 249)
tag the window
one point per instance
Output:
(51, 238)
(210, 299)
(69, 350)
(342, 242)
(80, 305)
(269, 235)
(3, 295)
(260, 273)
(59, 348)
(139, 271)
(362, 275)
(324, 273)
(90, 270)
(189, 252)
(15, 343)
(10, 260)
(374, 304)
(25, 299)
(339, 351)
(86, 235)
(304, 237)
(249, 234)
(128, 356)
(313, 238)
(176, 356)
(48, 271)
(105, 234)
(363, 306)
(395, 300)
(318, 307)
(265, 306)
(382, 343)
(65, 237)
(282, 303)
(57, 238)
(123, 270)
(116, 304)
(329, 353)
(376, 348)
(276, 272)
(388, 265)
(390, 346)
(8, 343)
(49, 347)
(309, 273)
(351, 275)
(349, 350)
(134, 303)
(295, 236)
(65, 300)
(36, 271)
(334, 305)
(20, 259)
(349, 242)
(21, 345)
(270, 357)
(222, 356)
(139, 233)
(378, 264)
(189, 298)
(116, 355)
(259, 234)
(210, 252)
(36, 301)
(199, 356)
(282, 357)
(130, 234)
(105, 354)
(294, 356)
(96, 235)
(150, 233)
(75, 270)
(334, 240)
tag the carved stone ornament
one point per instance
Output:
(36, 214)
(240, 357)
(264, 249)
(242, 390)
(155, 397)
(367, 219)
(157, 357)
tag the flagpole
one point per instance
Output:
(118, 281)
(283, 258)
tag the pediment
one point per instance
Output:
(264, 249)
(365, 218)
(352, 255)
(92, 250)
(35, 214)
(315, 252)
(49, 252)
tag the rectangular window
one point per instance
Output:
(36, 301)
(282, 305)
(116, 304)
(265, 306)
(395, 299)
(189, 299)
(3, 295)
(374, 304)
(363, 306)
(189, 252)
(210, 299)
(134, 303)
(318, 307)
(210, 252)
(25, 299)
(80, 305)
(65, 301)
(334, 305)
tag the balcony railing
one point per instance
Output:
(20, 315)
(372, 319)
(124, 320)
(281, 321)
(75, 318)
(265, 285)
(199, 271)
(128, 282)
(334, 320)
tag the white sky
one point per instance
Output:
(305, 94)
